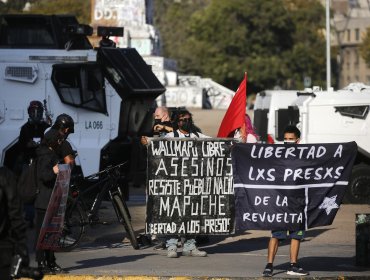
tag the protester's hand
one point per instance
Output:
(69, 159)
(56, 169)
(158, 128)
(144, 140)
(32, 144)
(161, 127)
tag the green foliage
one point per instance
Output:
(172, 19)
(365, 47)
(79, 8)
(277, 42)
(12, 6)
(307, 56)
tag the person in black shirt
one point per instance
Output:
(64, 125)
(30, 137)
(12, 226)
(32, 131)
(47, 170)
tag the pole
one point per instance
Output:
(328, 69)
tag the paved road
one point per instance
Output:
(326, 252)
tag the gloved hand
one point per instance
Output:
(32, 144)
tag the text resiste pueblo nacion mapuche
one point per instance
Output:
(190, 186)
(286, 169)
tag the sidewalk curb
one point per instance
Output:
(146, 277)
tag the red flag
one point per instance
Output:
(235, 114)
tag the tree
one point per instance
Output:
(365, 47)
(307, 56)
(228, 38)
(278, 42)
(172, 18)
(79, 8)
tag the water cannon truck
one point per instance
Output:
(109, 92)
(323, 117)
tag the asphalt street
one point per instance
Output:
(326, 251)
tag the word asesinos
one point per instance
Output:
(220, 225)
(195, 167)
(316, 174)
(193, 206)
(188, 149)
(194, 186)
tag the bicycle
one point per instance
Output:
(78, 215)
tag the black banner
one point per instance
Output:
(290, 187)
(189, 187)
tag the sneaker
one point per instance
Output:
(295, 269)
(160, 246)
(194, 253)
(172, 252)
(55, 268)
(67, 241)
(44, 268)
(268, 271)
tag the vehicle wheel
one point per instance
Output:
(358, 191)
(125, 220)
(74, 227)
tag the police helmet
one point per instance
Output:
(35, 110)
(64, 121)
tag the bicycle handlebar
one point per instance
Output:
(110, 169)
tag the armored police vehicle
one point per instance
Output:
(323, 117)
(107, 91)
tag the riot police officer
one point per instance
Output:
(32, 131)
(64, 124)
(12, 226)
(30, 137)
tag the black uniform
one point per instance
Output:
(65, 148)
(29, 139)
(46, 159)
(12, 225)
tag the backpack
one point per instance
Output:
(27, 184)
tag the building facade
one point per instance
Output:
(349, 25)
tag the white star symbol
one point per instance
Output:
(329, 204)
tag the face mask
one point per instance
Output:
(35, 116)
(290, 142)
(186, 125)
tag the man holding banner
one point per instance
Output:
(291, 136)
(289, 188)
(186, 129)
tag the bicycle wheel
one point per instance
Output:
(125, 220)
(74, 227)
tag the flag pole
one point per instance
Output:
(328, 68)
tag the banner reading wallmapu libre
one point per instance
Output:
(290, 187)
(189, 187)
